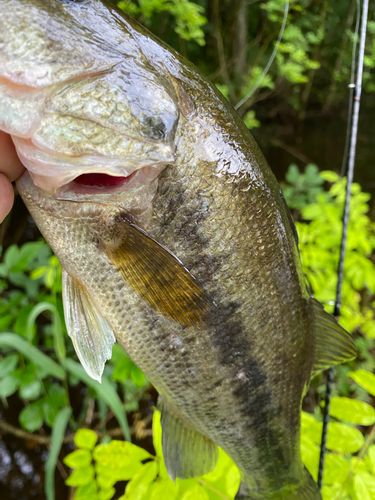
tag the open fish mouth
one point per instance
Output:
(88, 185)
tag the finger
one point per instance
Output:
(10, 164)
(6, 196)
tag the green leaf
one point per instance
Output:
(9, 385)
(105, 390)
(106, 494)
(352, 411)
(58, 432)
(156, 433)
(137, 376)
(85, 438)
(165, 489)
(31, 390)
(365, 379)
(31, 417)
(343, 438)
(138, 487)
(225, 477)
(119, 453)
(87, 492)
(360, 488)
(81, 477)
(78, 459)
(370, 458)
(336, 469)
(8, 364)
(329, 176)
(108, 476)
(310, 453)
(197, 492)
(32, 353)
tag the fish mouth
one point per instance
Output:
(95, 186)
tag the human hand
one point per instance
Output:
(10, 169)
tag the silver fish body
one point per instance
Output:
(192, 263)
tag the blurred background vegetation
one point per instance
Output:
(58, 426)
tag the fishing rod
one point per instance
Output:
(345, 222)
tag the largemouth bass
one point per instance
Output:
(173, 235)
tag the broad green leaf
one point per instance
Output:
(225, 477)
(360, 488)
(78, 458)
(106, 494)
(368, 480)
(9, 385)
(197, 492)
(138, 376)
(119, 453)
(31, 417)
(107, 476)
(85, 438)
(58, 432)
(138, 487)
(329, 176)
(105, 390)
(156, 433)
(30, 390)
(311, 428)
(310, 453)
(87, 492)
(370, 458)
(365, 379)
(333, 492)
(352, 411)
(343, 438)
(8, 365)
(57, 394)
(165, 489)
(358, 465)
(81, 476)
(32, 353)
(336, 469)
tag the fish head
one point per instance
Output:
(80, 98)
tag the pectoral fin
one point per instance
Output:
(334, 345)
(157, 275)
(90, 332)
(187, 453)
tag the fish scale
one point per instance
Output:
(192, 265)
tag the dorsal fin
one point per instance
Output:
(334, 345)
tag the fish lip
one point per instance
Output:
(75, 192)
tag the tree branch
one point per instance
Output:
(29, 436)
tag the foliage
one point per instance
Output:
(187, 15)
(98, 467)
(349, 470)
(313, 60)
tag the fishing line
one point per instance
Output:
(345, 221)
(351, 93)
(270, 61)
